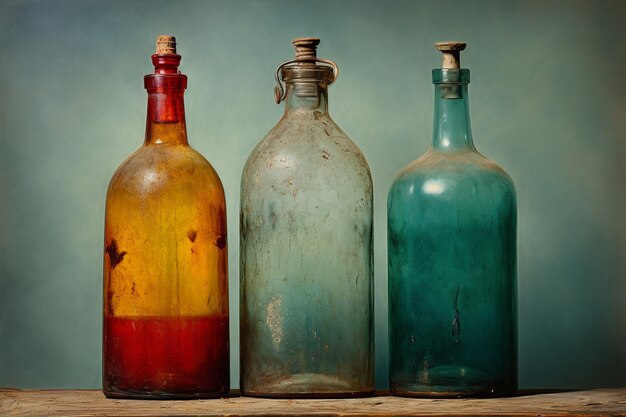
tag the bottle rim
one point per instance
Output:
(314, 73)
(451, 76)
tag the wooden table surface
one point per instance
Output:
(603, 402)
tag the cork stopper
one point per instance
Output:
(306, 49)
(451, 54)
(165, 45)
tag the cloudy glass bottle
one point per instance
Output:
(452, 259)
(165, 262)
(306, 248)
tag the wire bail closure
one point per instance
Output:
(279, 89)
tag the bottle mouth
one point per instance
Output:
(313, 73)
(303, 71)
(451, 76)
(166, 74)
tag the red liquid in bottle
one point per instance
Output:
(163, 357)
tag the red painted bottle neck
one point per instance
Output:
(166, 105)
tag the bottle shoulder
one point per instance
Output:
(461, 164)
(157, 166)
(451, 169)
(309, 142)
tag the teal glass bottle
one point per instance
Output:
(452, 259)
(306, 261)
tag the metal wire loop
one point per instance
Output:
(279, 89)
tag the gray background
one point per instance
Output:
(547, 98)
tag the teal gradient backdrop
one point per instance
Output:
(547, 103)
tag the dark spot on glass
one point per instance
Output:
(115, 256)
(220, 242)
(394, 240)
(456, 322)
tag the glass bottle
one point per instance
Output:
(165, 263)
(452, 259)
(306, 248)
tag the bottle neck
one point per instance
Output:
(166, 118)
(451, 130)
(166, 106)
(306, 97)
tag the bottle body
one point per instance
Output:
(306, 260)
(165, 330)
(452, 267)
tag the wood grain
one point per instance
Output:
(605, 402)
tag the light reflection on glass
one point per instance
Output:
(433, 187)
(284, 160)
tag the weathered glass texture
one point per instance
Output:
(165, 261)
(452, 262)
(306, 253)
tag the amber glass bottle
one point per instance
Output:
(165, 261)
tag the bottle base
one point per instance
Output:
(157, 395)
(439, 391)
(306, 385)
(452, 381)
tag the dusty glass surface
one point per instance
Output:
(306, 253)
